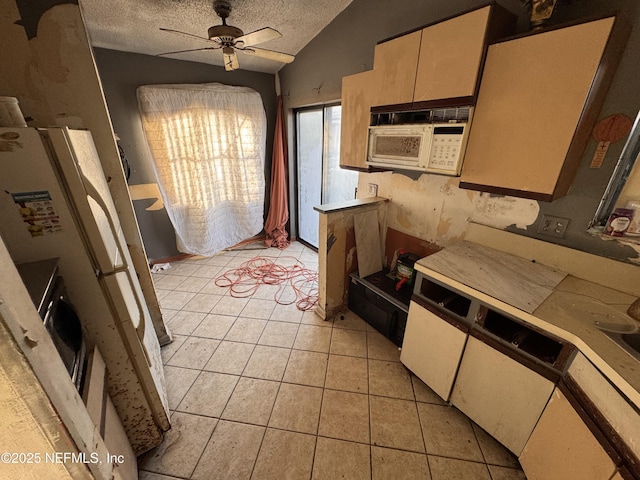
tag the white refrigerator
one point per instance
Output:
(55, 202)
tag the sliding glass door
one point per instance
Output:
(320, 180)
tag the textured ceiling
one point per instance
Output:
(134, 26)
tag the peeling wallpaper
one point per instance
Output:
(433, 208)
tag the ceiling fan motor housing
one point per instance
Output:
(224, 32)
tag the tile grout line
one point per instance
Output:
(422, 433)
(366, 344)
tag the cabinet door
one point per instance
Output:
(537, 96)
(394, 63)
(501, 395)
(450, 57)
(356, 114)
(432, 349)
(562, 447)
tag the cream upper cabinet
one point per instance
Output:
(562, 446)
(439, 62)
(450, 57)
(539, 98)
(356, 106)
(394, 63)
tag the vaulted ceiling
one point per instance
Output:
(134, 26)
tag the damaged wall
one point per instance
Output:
(432, 207)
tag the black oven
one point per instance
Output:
(62, 323)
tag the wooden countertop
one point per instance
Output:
(543, 297)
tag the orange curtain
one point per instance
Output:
(278, 206)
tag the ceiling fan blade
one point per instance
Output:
(259, 36)
(230, 59)
(269, 54)
(184, 33)
(190, 50)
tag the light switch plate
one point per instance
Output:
(553, 226)
(373, 189)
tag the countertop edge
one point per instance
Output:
(349, 204)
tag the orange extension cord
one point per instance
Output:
(297, 284)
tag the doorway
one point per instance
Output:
(319, 178)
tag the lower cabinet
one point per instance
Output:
(432, 349)
(609, 406)
(562, 446)
(501, 395)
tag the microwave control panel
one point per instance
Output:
(447, 148)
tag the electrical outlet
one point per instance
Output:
(553, 226)
(373, 189)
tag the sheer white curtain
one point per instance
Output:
(208, 143)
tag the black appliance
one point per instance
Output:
(47, 291)
(376, 300)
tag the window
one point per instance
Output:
(319, 179)
(207, 142)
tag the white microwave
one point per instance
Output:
(434, 148)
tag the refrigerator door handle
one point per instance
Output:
(95, 195)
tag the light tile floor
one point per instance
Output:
(264, 391)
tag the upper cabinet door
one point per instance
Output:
(394, 63)
(357, 91)
(450, 57)
(539, 98)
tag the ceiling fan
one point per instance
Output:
(230, 38)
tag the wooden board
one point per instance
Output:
(367, 243)
(513, 280)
